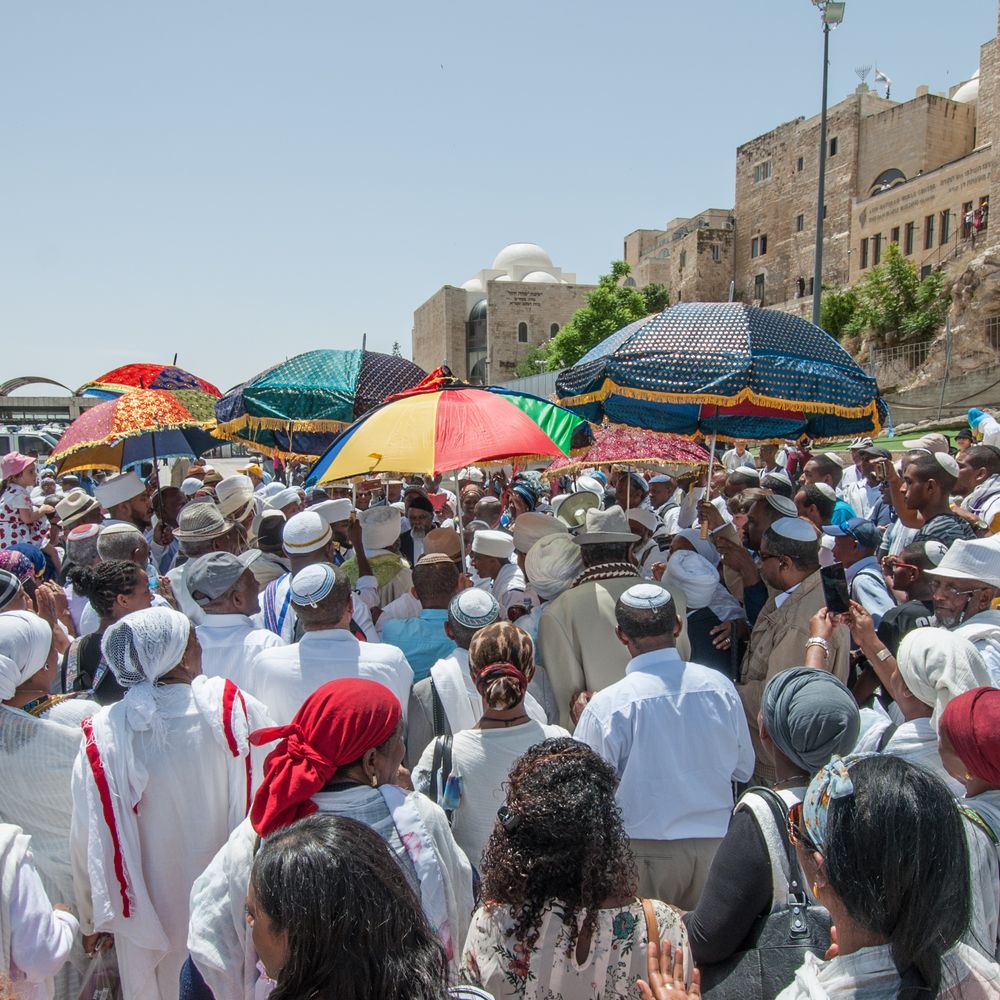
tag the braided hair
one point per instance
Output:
(104, 582)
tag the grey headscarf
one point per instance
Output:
(811, 716)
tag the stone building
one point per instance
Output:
(692, 257)
(484, 328)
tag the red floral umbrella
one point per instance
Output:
(618, 444)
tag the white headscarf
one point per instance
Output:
(552, 564)
(702, 546)
(25, 640)
(140, 649)
(937, 666)
(694, 575)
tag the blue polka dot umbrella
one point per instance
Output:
(725, 369)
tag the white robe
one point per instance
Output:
(194, 797)
(218, 940)
(230, 643)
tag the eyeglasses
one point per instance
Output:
(891, 562)
(796, 832)
(951, 591)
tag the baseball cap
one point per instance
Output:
(862, 531)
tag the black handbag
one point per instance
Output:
(778, 942)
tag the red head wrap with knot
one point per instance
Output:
(336, 725)
(494, 671)
(972, 724)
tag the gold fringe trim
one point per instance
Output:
(111, 441)
(711, 399)
(249, 423)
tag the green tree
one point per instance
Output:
(657, 297)
(894, 305)
(609, 307)
(836, 310)
(535, 361)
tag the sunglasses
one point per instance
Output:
(796, 829)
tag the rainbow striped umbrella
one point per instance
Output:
(442, 425)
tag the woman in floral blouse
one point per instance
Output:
(561, 919)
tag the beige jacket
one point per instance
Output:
(577, 640)
(778, 642)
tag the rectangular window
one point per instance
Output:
(864, 253)
(929, 232)
(800, 165)
(763, 245)
(761, 171)
(876, 248)
(909, 238)
(800, 223)
(758, 287)
(833, 146)
(755, 247)
(895, 235)
(993, 332)
(967, 216)
(716, 253)
(945, 226)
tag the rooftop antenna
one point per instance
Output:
(862, 72)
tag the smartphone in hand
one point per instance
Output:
(835, 590)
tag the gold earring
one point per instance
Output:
(968, 777)
(815, 890)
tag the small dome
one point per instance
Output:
(503, 277)
(521, 255)
(478, 311)
(473, 285)
(969, 91)
(541, 277)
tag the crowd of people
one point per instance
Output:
(556, 739)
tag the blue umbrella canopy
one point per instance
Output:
(725, 368)
(298, 407)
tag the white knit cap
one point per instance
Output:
(118, 489)
(946, 462)
(796, 528)
(283, 498)
(498, 544)
(312, 583)
(305, 532)
(190, 486)
(827, 490)
(646, 596)
(380, 527)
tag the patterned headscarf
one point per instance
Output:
(831, 782)
(34, 555)
(18, 564)
(9, 586)
(145, 645)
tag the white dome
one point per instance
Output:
(503, 277)
(473, 285)
(541, 277)
(521, 255)
(969, 91)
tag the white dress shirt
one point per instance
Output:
(229, 643)
(676, 735)
(508, 588)
(284, 676)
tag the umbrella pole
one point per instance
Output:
(458, 514)
(711, 468)
(157, 500)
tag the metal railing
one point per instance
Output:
(891, 365)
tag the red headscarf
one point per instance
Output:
(972, 724)
(336, 725)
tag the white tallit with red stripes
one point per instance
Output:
(197, 733)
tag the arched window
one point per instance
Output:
(522, 333)
(553, 330)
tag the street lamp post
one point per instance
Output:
(832, 13)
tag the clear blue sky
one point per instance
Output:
(241, 180)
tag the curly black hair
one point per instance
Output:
(561, 837)
(104, 582)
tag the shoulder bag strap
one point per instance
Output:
(437, 712)
(780, 812)
(652, 927)
(885, 736)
